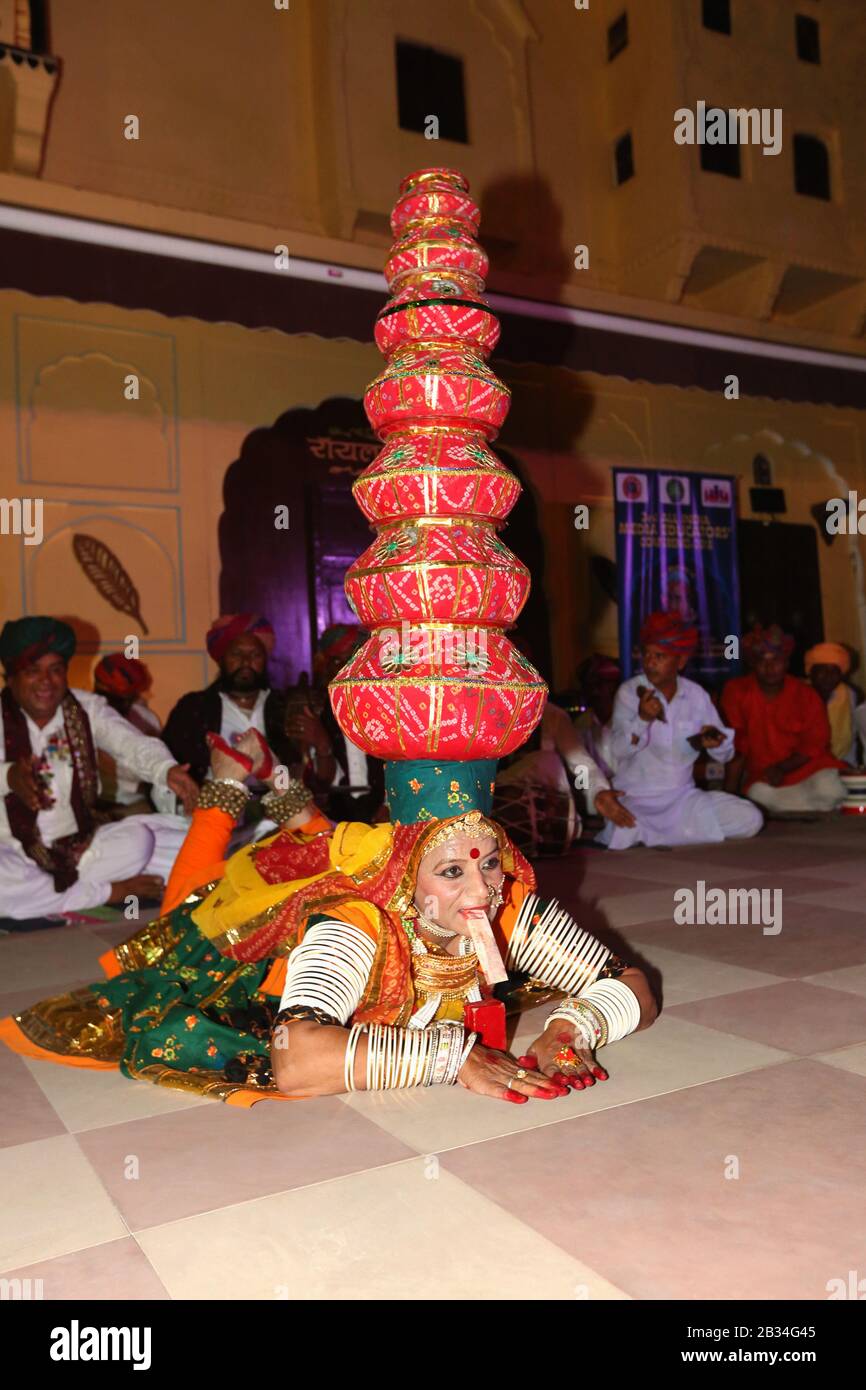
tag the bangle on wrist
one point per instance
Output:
(223, 794)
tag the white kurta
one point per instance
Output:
(654, 763)
(139, 844)
(117, 781)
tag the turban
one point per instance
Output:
(668, 630)
(121, 675)
(25, 640)
(231, 625)
(338, 641)
(828, 654)
(769, 640)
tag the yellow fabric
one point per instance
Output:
(841, 722)
(243, 894)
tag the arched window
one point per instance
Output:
(811, 167)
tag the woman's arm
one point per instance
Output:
(314, 1053)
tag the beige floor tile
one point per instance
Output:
(50, 960)
(631, 909)
(408, 1231)
(53, 1203)
(851, 978)
(850, 898)
(846, 1058)
(89, 1099)
(671, 1055)
(685, 977)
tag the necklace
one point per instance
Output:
(433, 929)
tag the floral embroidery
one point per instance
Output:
(190, 1021)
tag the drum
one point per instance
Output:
(541, 821)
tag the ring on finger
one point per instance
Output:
(520, 1075)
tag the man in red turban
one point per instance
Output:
(122, 681)
(661, 723)
(240, 699)
(782, 730)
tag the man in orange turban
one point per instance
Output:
(827, 664)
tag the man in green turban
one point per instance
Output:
(54, 856)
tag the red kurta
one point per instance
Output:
(770, 730)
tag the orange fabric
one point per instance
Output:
(275, 980)
(110, 965)
(503, 927)
(12, 1036)
(768, 731)
(201, 858)
(202, 854)
(247, 1099)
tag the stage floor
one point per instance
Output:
(723, 1158)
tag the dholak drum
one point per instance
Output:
(855, 786)
(539, 820)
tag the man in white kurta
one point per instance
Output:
(656, 736)
(132, 856)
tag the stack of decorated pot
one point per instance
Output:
(438, 679)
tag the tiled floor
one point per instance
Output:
(723, 1158)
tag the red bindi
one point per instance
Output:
(475, 853)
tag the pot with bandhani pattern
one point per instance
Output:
(439, 570)
(438, 707)
(425, 471)
(435, 310)
(434, 195)
(436, 246)
(437, 384)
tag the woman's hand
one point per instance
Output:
(497, 1074)
(540, 1055)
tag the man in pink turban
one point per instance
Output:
(240, 699)
(783, 734)
(661, 723)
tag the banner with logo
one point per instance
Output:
(676, 548)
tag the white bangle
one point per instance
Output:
(351, 1048)
(618, 1004)
(467, 1048)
